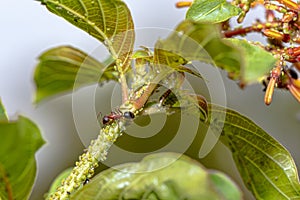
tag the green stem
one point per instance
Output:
(88, 161)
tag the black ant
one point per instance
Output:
(107, 119)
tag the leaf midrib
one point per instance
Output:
(92, 24)
(212, 10)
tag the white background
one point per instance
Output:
(28, 29)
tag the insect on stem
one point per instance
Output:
(108, 119)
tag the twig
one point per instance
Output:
(88, 161)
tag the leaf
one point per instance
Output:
(212, 11)
(225, 186)
(170, 59)
(3, 114)
(19, 142)
(267, 168)
(257, 62)
(195, 41)
(157, 176)
(143, 54)
(109, 21)
(65, 68)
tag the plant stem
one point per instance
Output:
(258, 27)
(124, 88)
(88, 161)
(144, 95)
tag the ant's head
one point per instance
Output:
(105, 120)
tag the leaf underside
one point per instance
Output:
(109, 21)
(267, 168)
(65, 68)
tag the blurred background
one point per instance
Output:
(28, 29)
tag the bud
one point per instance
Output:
(270, 91)
(290, 4)
(295, 91)
(273, 34)
(183, 4)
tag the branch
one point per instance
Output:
(88, 161)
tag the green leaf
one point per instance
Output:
(225, 186)
(3, 114)
(143, 54)
(170, 59)
(257, 62)
(109, 21)
(195, 41)
(64, 68)
(158, 176)
(19, 142)
(212, 11)
(267, 168)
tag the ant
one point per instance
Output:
(107, 119)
